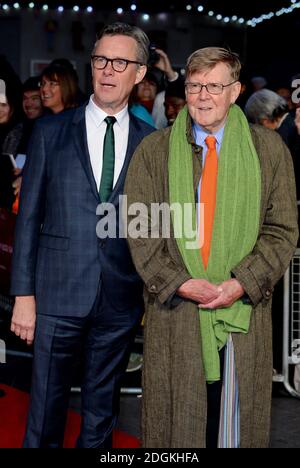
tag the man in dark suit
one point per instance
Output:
(73, 290)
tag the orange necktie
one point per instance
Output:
(208, 194)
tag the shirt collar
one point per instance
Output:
(98, 115)
(201, 134)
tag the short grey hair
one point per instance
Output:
(124, 29)
(265, 104)
(208, 57)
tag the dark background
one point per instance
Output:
(270, 49)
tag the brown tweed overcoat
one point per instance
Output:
(174, 388)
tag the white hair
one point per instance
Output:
(265, 104)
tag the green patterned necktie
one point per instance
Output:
(108, 166)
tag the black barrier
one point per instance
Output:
(6, 303)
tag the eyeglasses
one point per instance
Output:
(118, 64)
(211, 88)
(51, 84)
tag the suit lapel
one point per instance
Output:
(80, 141)
(82, 151)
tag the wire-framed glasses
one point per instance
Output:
(211, 88)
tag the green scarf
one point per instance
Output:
(236, 223)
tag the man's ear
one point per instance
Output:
(141, 72)
(236, 91)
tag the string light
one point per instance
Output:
(234, 19)
(266, 17)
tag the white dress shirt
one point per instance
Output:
(96, 128)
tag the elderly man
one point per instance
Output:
(208, 352)
(75, 292)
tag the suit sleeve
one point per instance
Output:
(30, 217)
(161, 274)
(259, 271)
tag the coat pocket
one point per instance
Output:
(54, 242)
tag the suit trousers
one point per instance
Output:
(104, 337)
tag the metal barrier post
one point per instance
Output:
(291, 283)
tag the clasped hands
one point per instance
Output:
(211, 296)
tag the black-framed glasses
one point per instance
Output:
(211, 88)
(118, 64)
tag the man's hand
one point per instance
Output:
(297, 120)
(23, 319)
(198, 290)
(165, 66)
(230, 291)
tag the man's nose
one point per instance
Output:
(204, 93)
(108, 70)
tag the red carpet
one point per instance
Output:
(13, 414)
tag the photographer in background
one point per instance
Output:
(142, 98)
(160, 60)
(146, 91)
(175, 100)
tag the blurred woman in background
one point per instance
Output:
(267, 108)
(59, 89)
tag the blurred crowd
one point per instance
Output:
(156, 100)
